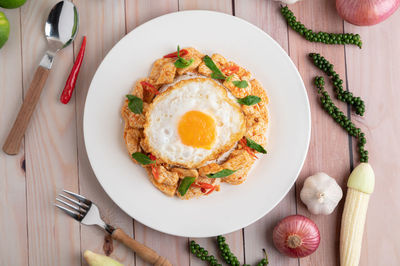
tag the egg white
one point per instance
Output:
(200, 94)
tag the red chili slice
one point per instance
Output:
(205, 185)
(182, 52)
(230, 70)
(243, 141)
(152, 157)
(154, 171)
(149, 87)
(211, 190)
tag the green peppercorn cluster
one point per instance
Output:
(322, 37)
(342, 95)
(202, 254)
(341, 118)
(226, 253)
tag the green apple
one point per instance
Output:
(11, 3)
(4, 29)
(94, 259)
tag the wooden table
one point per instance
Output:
(53, 155)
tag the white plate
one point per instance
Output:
(234, 207)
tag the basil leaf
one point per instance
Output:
(254, 145)
(216, 72)
(135, 104)
(182, 63)
(240, 84)
(222, 173)
(142, 158)
(185, 185)
(229, 78)
(249, 100)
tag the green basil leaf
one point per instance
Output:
(182, 63)
(216, 72)
(135, 104)
(240, 84)
(222, 173)
(142, 158)
(229, 78)
(185, 185)
(254, 145)
(249, 100)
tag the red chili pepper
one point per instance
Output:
(149, 87)
(205, 185)
(70, 84)
(243, 141)
(182, 52)
(154, 171)
(231, 69)
(152, 157)
(211, 190)
(203, 190)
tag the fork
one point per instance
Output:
(86, 212)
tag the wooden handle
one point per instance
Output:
(144, 252)
(13, 141)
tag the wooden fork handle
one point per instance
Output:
(144, 252)
(13, 141)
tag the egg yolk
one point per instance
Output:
(197, 129)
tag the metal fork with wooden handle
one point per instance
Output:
(86, 212)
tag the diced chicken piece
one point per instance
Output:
(238, 160)
(196, 62)
(144, 146)
(236, 91)
(166, 177)
(182, 172)
(138, 120)
(209, 169)
(219, 60)
(257, 132)
(163, 71)
(132, 140)
(166, 189)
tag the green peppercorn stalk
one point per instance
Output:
(322, 37)
(202, 254)
(342, 95)
(341, 118)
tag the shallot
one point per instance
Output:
(296, 236)
(366, 12)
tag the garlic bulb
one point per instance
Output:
(321, 194)
(288, 2)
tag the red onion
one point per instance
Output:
(296, 236)
(366, 12)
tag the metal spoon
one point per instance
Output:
(61, 29)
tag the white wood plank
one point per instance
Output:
(14, 244)
(373, 73)
(171, 247)
(329, 146)
(50, 146)
(265, 14)
(103, 22)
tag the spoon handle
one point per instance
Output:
(141, 250)
(13, 141)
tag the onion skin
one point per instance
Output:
(366, 12)
(296, 236)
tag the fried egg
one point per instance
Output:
(192, 122)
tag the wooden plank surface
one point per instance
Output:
(373, 73)
(265, 15)
(12, 173)
(103, 22)
(50, 149)
(56, 158)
